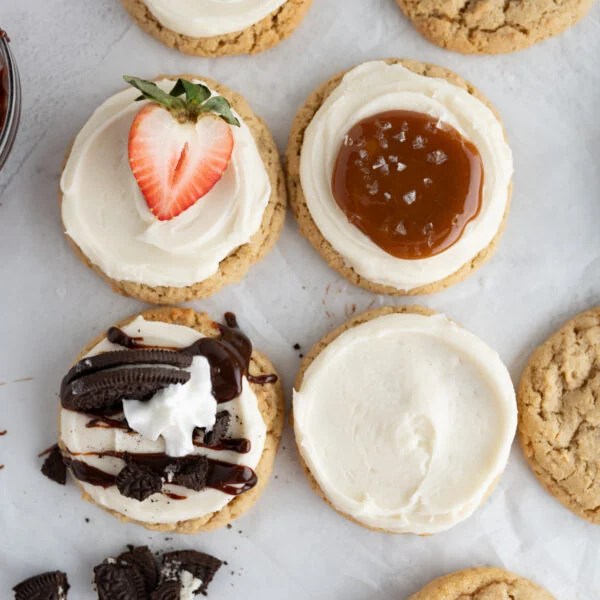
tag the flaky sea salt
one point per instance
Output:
(410, 197)
(437, 157)
(419, 142)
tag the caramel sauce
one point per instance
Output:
(407, 183)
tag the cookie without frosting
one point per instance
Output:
(559, 414)
(307, 224)
(492, 26)
(235, 266)
(270, 404)
(261, 36)
(484, 583)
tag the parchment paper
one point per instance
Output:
(72, 54)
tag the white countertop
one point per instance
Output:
(72, 55)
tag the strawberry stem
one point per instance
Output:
(197, 103)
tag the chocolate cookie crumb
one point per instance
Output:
(54, 467)
(138, 482)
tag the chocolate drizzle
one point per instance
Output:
(223, 476)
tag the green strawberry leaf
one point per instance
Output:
(221, 107)
(198, 100)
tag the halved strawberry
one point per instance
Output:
(174, 163)
(179, 148)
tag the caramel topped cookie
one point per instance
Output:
(559, 414)
(492, 26)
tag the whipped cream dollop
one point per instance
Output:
(406, 422)
(91, 445)
(206, 18)
(175, 411)
(377, 87)
(106, 215)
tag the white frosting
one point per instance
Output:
(189, 585)
(175, 411)
(246, 422)
(106, 215)
(406, 422)
(376, 87)
(205, 18)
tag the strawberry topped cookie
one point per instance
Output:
(172, 189)
(218, 27)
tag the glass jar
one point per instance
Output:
(10, 98)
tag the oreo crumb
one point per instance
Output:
(138, 482)
(54, 467)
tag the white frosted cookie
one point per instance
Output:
(404, 420)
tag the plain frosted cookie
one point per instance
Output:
(492, 26)
(173, 194)
(559, 414)
(171, 420)
(217, 27)
(400, 175)
(404, 420)
(484, 583)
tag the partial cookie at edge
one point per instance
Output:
(491, 27)
(272, 408)
(480, 583)
(234, 267)
(559, 414)
(309, 228)
(268, 32)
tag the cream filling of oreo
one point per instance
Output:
(406, 422)
(376, 87)
(206, 18)
(105, 213)
(86, 444)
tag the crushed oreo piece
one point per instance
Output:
(109, 360)
(105, 389)
(47, 586)
(168, 590)
(119, 581)
(218, 432)
(201, 566)
(138, 482)
(191, 472)
(141, 558)
(54, 467)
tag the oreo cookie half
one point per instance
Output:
(47, 586)
(104, 389)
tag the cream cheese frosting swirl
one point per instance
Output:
(406, 422)
(90, 445)
(206, 18)
(377, 87)
(106, 215)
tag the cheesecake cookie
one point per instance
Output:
(559, 414)
(171, 421)
(176, 195)
(484, 583)
(382, 408)
(492, 26)
(215, 28)
(399, 174)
